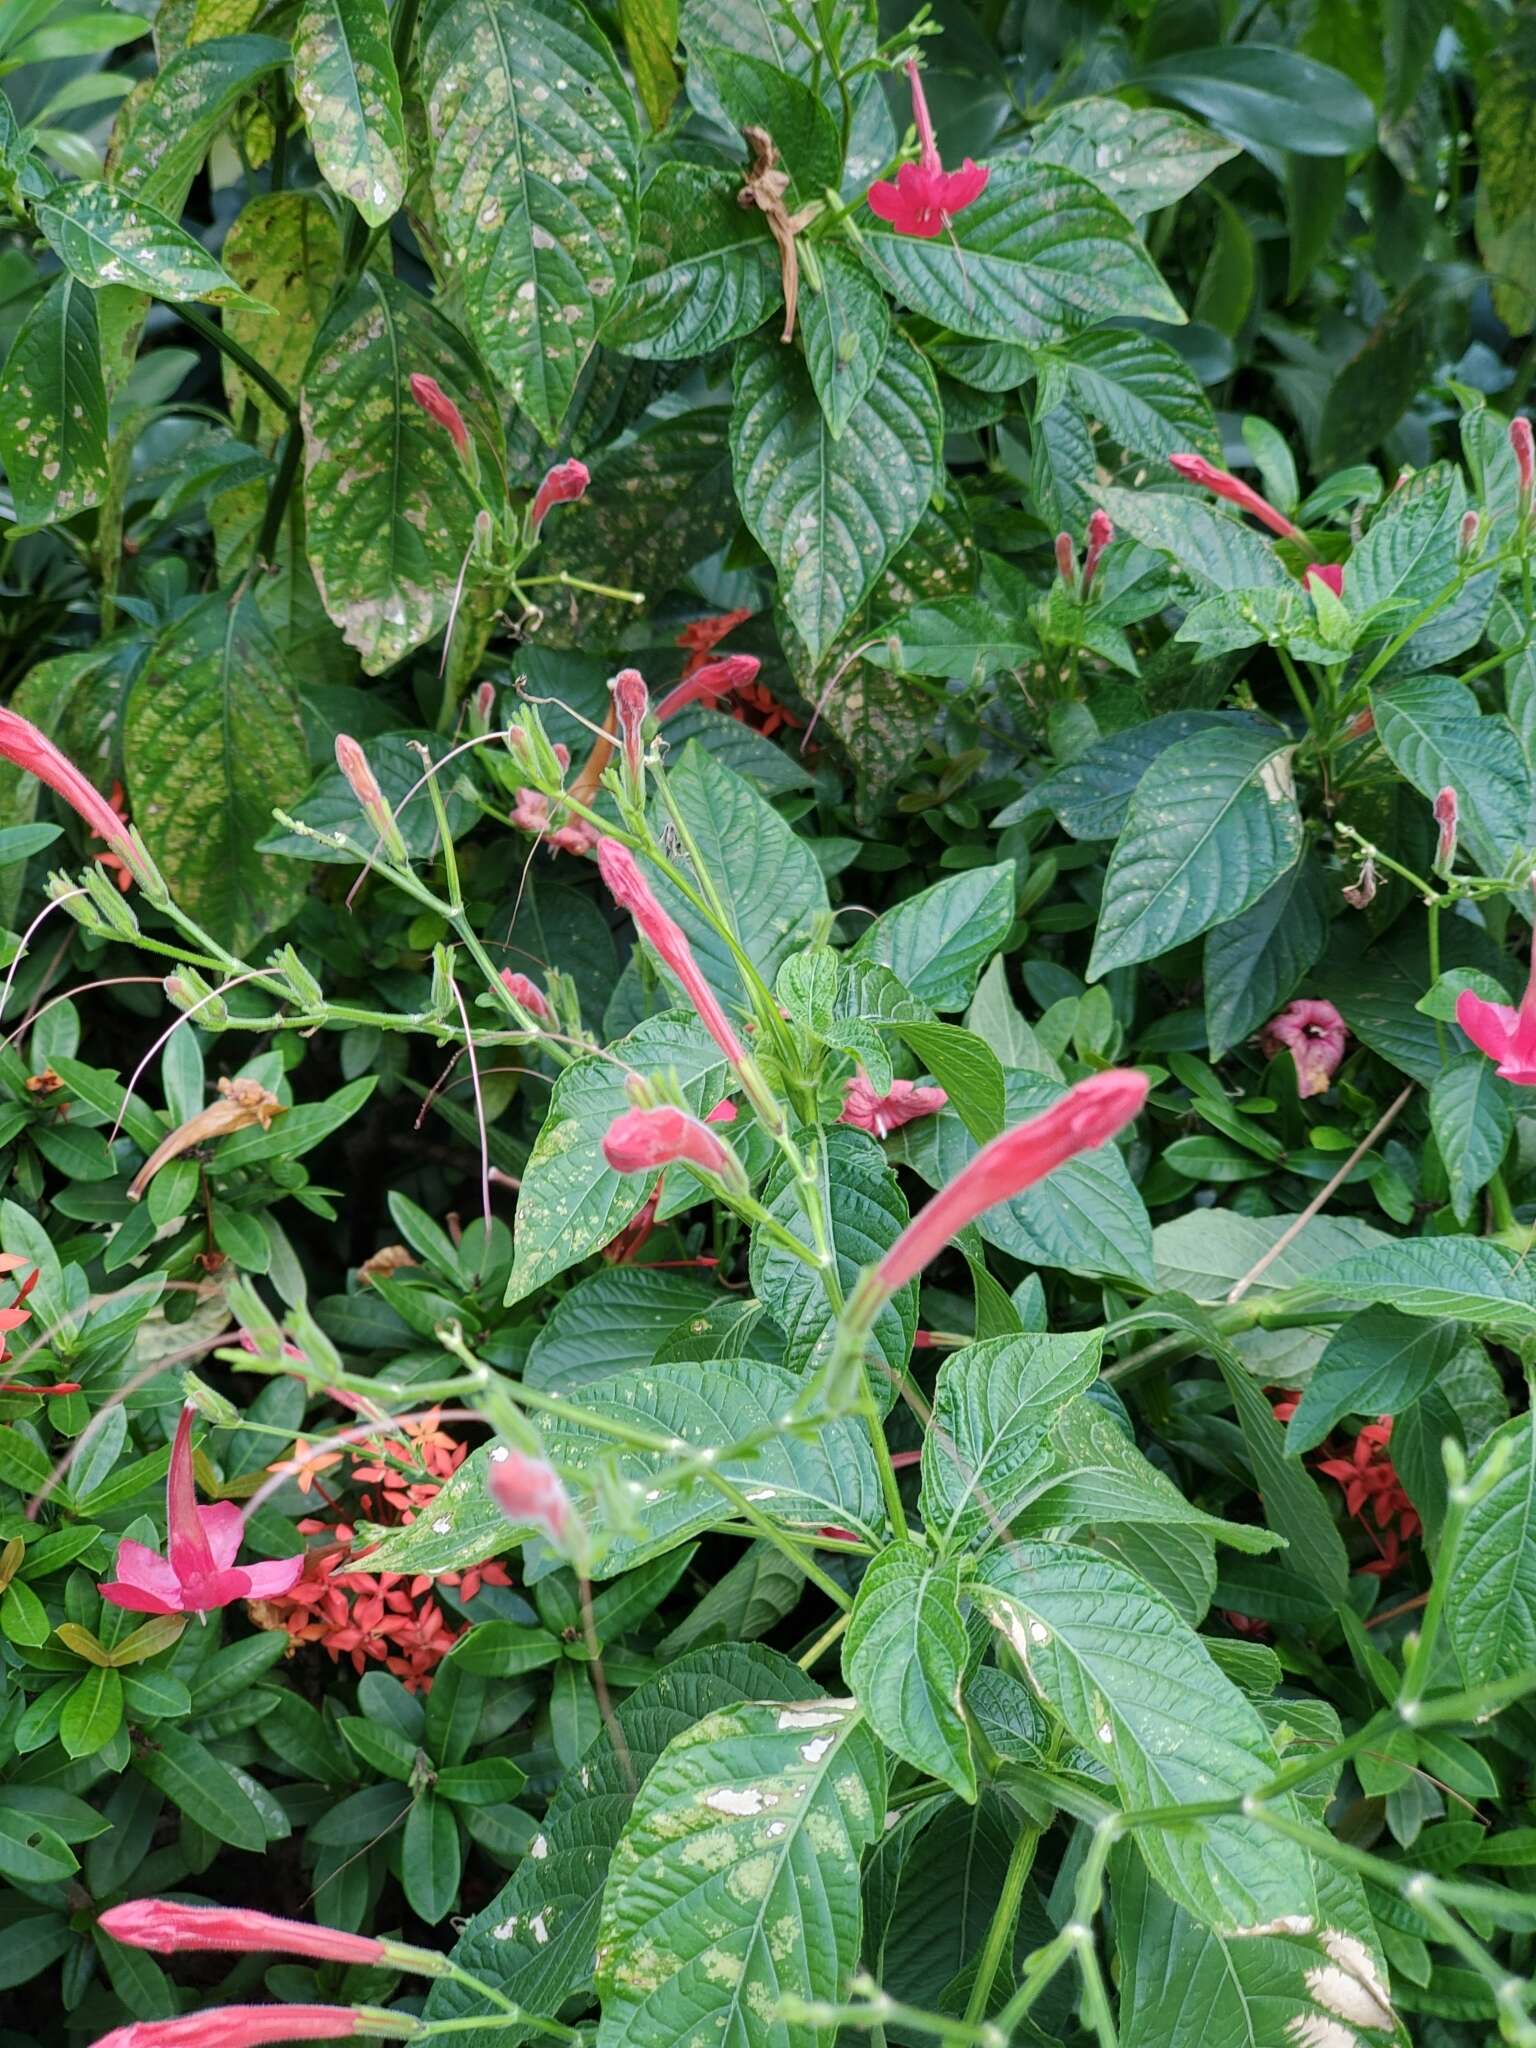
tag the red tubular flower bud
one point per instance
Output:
(1466, 537)
(713, 679)
(640, 1140)
(1196, 470)
(363, 783)
(240, 2026)
(441, 410)
(526, 992)
(1447, 813)
(169, 1929)
(563, 485)
(1523, 448)
(1329, 574)
(529, 1493)
(24, 745)
(632, 892)
(1100, 533)
(1066, 560)
(1086, 1117)
(631, 706)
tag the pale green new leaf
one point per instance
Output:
(736, 1879)
(344, 75)
(904, 1658)
(1137, 1688)
(1212, 826)
(53, 408)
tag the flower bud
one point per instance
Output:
(631, 705)
(363, 783)
(527, 993)
(1100, 533)
(1066, 560)
(1329, 574)
(441, 410)
(190, 993)
(563, 485)
(1524, 451)
(530, 747)
(530, 1494)
(1447, 813)
(1466, 538)
(482, 709)
(1196, 470)
(709, 680)
(307, 992)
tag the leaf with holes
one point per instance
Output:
(345, 78)
(534, 170)
(904, 1657)
(53, 408)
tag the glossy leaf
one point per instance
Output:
(904, 1657)
(53, 408)
(937, 942)
(704, 272)
(104, 237)
(345, 78)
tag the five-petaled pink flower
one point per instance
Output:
(632, 892)
(1086, 1117)
(526, 992)
(169, 1928)
(440, 409)
(1504, 1034)
(640, 1140)
(23, 744)
(240, 2026)
(867, 1110)
(1196, 470)
(198, 1572)
(712, 680)
(925, 196)
(1314, 1034)
(564, 484)
(1329, 574)
(529, 1492)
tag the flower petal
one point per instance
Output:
(223, 1525)
(274, 1576)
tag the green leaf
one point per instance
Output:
(610, 1323)
(31, 1853)
(736, 1879)
(755, 92)
(431, 1857)
(284, 249)
(1087, 1218)
(845, 324)
(1212, 826)
(704, 273)
(534, 176)
(1408, 555)
(1272, 97)
(164, 136)
(344, 76)
(904, 1657)
(381, 1747)
(1138, 1689)
(1436, 734)
(1091, 794)
(571, 1201)
(53, 408)
(989, 1445)
(650, 37)
(1472, 1114)
(1142, 391)
(865, 1212)
(1505, 217)
(966, 638)
(388, 512)
(1039, 255)
(104, 237)
(212, 740)
(1143, 158)
(1215, 552)
(1490, 1596)
(1255, 961)
(937, 942)
(968, 1071)
(194, 1780)
(831, 512)
(1440, 1278)
(1378, 1363)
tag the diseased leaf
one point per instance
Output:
(1143, 158)
(104, 237)
(844, 326)
(704, 272)
(345, 78)
(283, 249)
(53, 408)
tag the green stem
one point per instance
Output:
(1298, 688)
(282, 490)
(226, 344)
(1432, 911)
(1004, 1920)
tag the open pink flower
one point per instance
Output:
(198, 1572)
(1086, 1117)
(925, 196)
(23, 744)
(564, 484)
(1315, 1035)
(878, 1114)
(1329, 574)
(632, 892)
(642, 1139)
(529, 1492)
(240, 2026)
(169, 1928)
(1196, 470)
(1504, 1034)
(441, 410)
(526, 992)
(712, 680)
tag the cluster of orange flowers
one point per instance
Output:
(753, 704)
(376, 1617)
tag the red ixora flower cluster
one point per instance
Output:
(749, 701)
(376, 1617)
(1369, 1479)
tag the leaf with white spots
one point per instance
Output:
(736, 1880)
(53, 408)
(104, 237)
(535, 154)
(704, 273)
(831, 512)
(344, 75)
(284, 248)
(904, 1657)
(389, 515)
(1212, 826)
(1138, 1689)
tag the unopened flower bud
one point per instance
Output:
(1466, 538)
(1329, 575)
(212, 1406)
(1100, 533)
(363, 783)
(530, 1494)
(632, 704)
(307, 992)
(482, 709)
(1362, 723)
(563, 485)
(530, 747)
(189, 992)
(1066, 560)
(441, 410)
(1524, 451)
(484, 537)
(526, 993)
(110, 902)
(1447, 812)
(1196, 470)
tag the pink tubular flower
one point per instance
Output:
(441, 410)
(1522, 446)
(1086, 1117)
(172, 1929)
(1196, 470)
(631, 707)
(1447, 812)
(632, 892)
(1329, 574)
(713, 679)
(925, 196)
(1100, 533)
(364, 785)
(23, 744)
(881, 1114)
(526, 992)
(564, 484)
(724, 1112)
(529, 1491)
(640, 1140)
(198, 1572)
(1066, 560)
(240, 2026)
(1314, 1034)
(702, 636)
(1504, 1034)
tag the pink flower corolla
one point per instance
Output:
(724, 1112)
(526, 992)
(1505, 1034)
(1196, 470)
(1329, 574)
(1086, 1117)
(631, 707)
(1100, 533)
(1522, 445)
(441, 410)
(926, 197)
(28, 748)
(713, 679)
(868, 1110)
(563, 485)
(241, 2026)
(640, 1140)
(530, 1493)
(1315, 1036)
(632, 892)
(169, 1928)
(198, 1572)
(1066, 560)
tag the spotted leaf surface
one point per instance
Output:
(389, 513)
(832, 511)
(345, 78)
(535, 141)
(103, 237)
(53, 408)
(285, 250)
(704, 271)
(1138, 1689)
(736, 1879)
